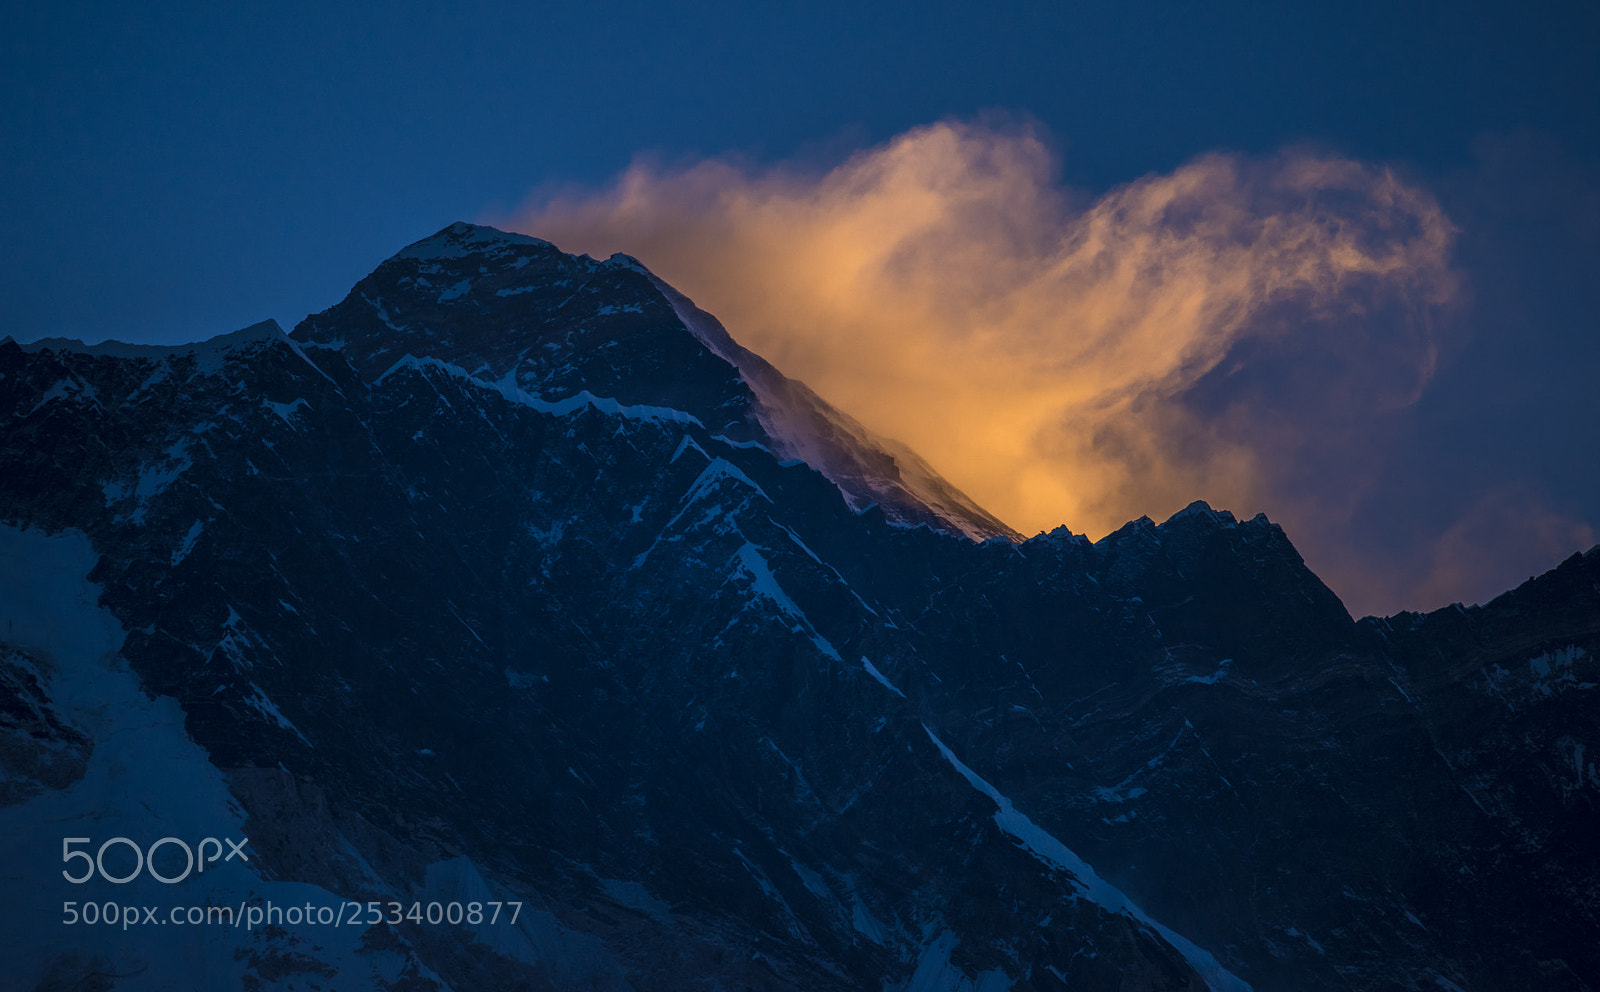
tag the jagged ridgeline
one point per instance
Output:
(513, 581)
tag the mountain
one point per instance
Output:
(523, 313)
(512, 582)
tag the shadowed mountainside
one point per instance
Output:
(508, 578)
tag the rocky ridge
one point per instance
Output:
(512, 574)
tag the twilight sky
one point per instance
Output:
(1092, 261)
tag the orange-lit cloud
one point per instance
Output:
(1236, 330)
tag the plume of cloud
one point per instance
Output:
(1236, 330)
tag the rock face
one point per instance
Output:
(512, 577)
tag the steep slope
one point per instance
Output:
(869, 470)
(515, 309)
(499, 582)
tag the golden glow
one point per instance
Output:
(1063, 361)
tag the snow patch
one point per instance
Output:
(188, 542)
(285, 410)
(867, 925)
(145, 780)
(507, 386)
(935, 973)
(872, 670)
(765, 585)
(154, 479)
(1042, 845)
(62, 390)
(267, 708)
(812, 881)
(1552, 671)
(684, 445)
(455, 291)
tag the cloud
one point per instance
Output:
(1505, 536)
(1240, 330)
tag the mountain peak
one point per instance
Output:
(496, 304)
(461, 239)
(1201, 510)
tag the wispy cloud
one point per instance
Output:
(1240, 330)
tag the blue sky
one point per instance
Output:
(173, 169)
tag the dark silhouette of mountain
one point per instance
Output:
(513, 579)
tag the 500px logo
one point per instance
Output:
(144, 859)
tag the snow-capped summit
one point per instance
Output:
(462, 239)
(509, 307)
